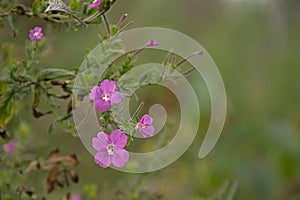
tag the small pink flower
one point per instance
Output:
(110, 149)
(10, 147)
(105, 95)
(76, 197)
(197, 53)
(36, 33)
(145, 126)
(152, 43)
(95, 4)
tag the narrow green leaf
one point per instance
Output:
(12, 24)
(8, 106)
(37, 96)
(3, 88)
(52, 74)
(51, 127)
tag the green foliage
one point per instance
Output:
(37, 7)
(74, 5)
(8, 105)
(55, 74)
(90, 192)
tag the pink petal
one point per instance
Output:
(147, 131)
(95, 4)
(107, 87)
(40, 35)
(102, 105)
(116, 97)
(93, 92)
(146, 120)
(76, 197)
(10, 147)
(120, 157)
(100, 142)
(118, 138)
(37, 29)
(102, 158)
(152, 43)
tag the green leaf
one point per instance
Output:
(90, 192)
(64, 117)
(143, 78)
(8, 106)
(28, 52)
(3, 88)
(37, 96)
(74, 5)
(36, 7)
(51, 127)
(33, 63)
(12, 24)
(52, 74)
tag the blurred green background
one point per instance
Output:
(256, 46)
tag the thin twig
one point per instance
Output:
(138, 110)
(106, 23)
(126, 26)
(188, 72)
(233, 190)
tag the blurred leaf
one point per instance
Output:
(37, 96)
(36, 7)
(114, 29)
(32, 63)
(64, 117)
(89, 191)
(51, 127)
(24, 131)
(28, 52)
(8, 55)
(52, 74)
(74, 5)
(8, 106)
(12, 24)
(85, 7)
(143, 78)
(3, 88)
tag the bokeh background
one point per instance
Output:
(256, 46)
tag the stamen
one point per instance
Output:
(105, 97)
(110, 149)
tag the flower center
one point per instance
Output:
(105, 97)
(110, 149)
(140, 125)
(35, 34)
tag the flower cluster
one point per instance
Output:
(111, 148)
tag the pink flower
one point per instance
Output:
(145, 126)
(95, 4)
(105, 95)
(10, 147)
(76, 197)
(110, 149)
(152, 43)
(36, 33)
